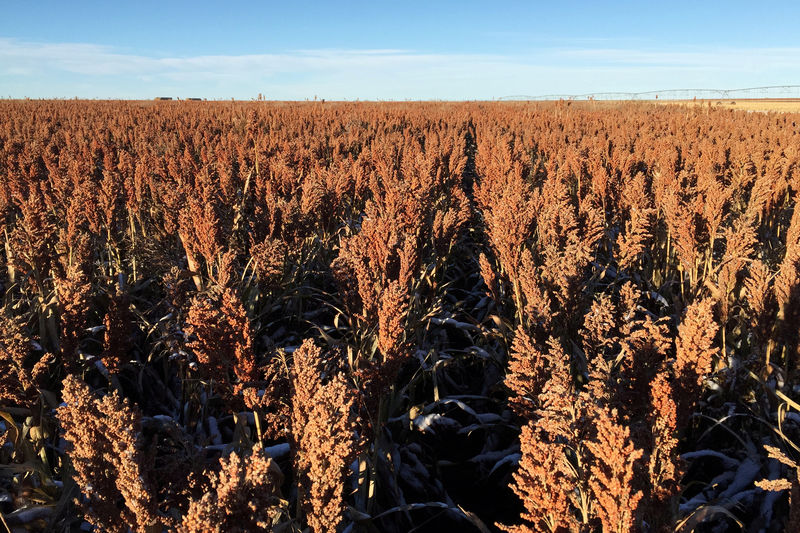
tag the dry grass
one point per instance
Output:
(780, 105)
(764, 105)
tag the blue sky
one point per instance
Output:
(391, 50)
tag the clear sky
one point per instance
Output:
(391, 50)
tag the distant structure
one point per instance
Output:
(195, 99)
(772, 91)
(163, 98)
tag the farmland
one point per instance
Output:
(230, 316)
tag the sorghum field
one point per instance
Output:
(397, 317)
